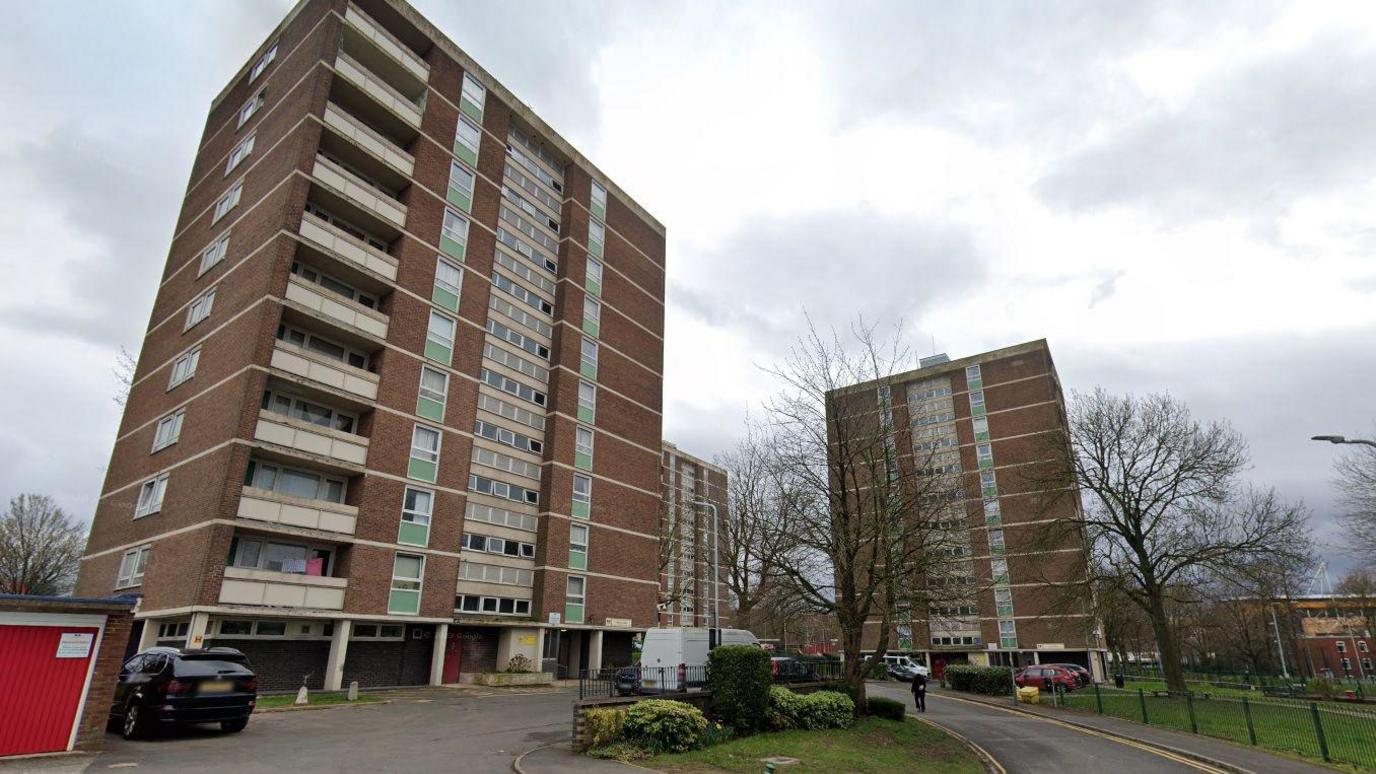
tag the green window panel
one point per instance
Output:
(590, 327)
(581, 510)
(438, 352)
(1005, 611)
(593, 287)
(986, 464)
(978, 411)
(445, 298)
(452, 247)
(993, 520)
(573, 613)
(469, 109)
(984, 436)
(430, 409)
(578, 560)
(586, 414)
(588, 370)
(582, 460)
(595, 248)
(997, 550)
(990, 491)
(1008, 642)
(413, 534)
(975, 384)
(598, 211)
(466, 154)
(406, 602)
(1001, 579)
(422, 470)
(459, 199)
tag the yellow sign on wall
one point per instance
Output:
(527, 639)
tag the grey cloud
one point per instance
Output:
(1247, 143)
(1105, 289)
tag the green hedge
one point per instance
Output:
(785, 708)
(603, 726)
(826, 709)
(991, 681)
(887, 708)
(661, 725)
(739, 679)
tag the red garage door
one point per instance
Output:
(42, 680)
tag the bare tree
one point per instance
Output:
(40, 547)
(1356, 480)
(1164, 509)
(125, 365)
(863, 534)
(1360, 586)
(752, 536)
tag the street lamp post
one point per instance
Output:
(716, 564)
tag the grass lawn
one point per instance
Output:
(316, 698)
(872, 745)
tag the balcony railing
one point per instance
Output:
(337, 309)
(369, 139)
(353, 71)
(308, 438)
(274, 508)
(303, 363)
(357, 191)
(386, 42)
(279, 589)
(347, 248)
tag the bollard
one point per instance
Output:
(1251, 729)
(1142, 699)
(353, 691)
(1189, 704)
(1098, 699)
(302, 697)
(1318, 730)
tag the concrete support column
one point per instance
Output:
(195, 633)
(149, 638)
(441, 642)
(595, 650)
(1036, 657)
(339, 649)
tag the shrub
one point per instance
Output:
(603, 726)
(661, 725)
(620, 751)
(518, 663)
(826, 709)
(785, 707)
(887, 708)
(739, 680)
(991, 681)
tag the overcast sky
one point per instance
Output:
(1178, 196)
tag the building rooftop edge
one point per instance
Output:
(953, 365)
(671, 447)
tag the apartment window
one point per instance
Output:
(985, 454)
(131, 567)
(597, 237)
(575, 592)
(582, 495)
(582, 447)
(1361, 646)
(972, 372)
(993, 514)
(272, 556)
(511, 386)
(439, 338)
(240, 152)
(588, 360)
(593, 282)
(184, 367)
(987, 484)
(996, 541)
(475, 94)
(306, 411)
(214, 253)
(254, 103)
(200, 308)
(506, 437)
(981, 427)
(407, 571)
(578, 547)
(466, 139)
(332, 284)
(587, 401)
(592, 315)
(150, 496)
(448, 284)
(454, 234)
(227, 202)
(1342, 646)
(461, 182)
(434, 393)
(502, 489)
(293, 482)
(263, 62)
(999, 569)
(169, 429)
(417, 506)
(425, 453)
(493, 605)
(323, 346)
(1347, 665)
(599, 201)
(496, 545)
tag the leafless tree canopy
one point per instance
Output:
(125, 365)
(1162, 507)
(40, 547)
(751, 538)
(1357, 481)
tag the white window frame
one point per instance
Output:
(477, 132)
(150, 496)
(250, 108)
(453, 287)
(601, 237)
(441, 397)
(187, 360)
(132, 566)
(418, 579)
(579, 546)
(168, 430)
(200, 308)
(240, 152)
(583, 352)
(214, 253)
(585, 497)
(595, 274)
(474, 91)
(422, 453)
(598, 195)
(581, 596)
(446, 227)
(229, 201)
(578, 434)
(589, 401)
(263, 62)
(418, 516)
(984, 450)
(592, 310)
(462, 172)
(434, 336)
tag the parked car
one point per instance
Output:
(903, 668)
(786, 669)
(1082, 675)
(627, 681)
(166, 687)
(1046, 677)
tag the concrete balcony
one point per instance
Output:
(315, 367)
(380, 149)
(396, 104)
(273, 508)
(333, 242)
(308, 438)
(337, 309)
(359, 27)
(372, 203)
(279, 589)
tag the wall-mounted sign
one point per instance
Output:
(619, 623)
(555, 618)
(1051, 646)
(75, 645)
(527, 639)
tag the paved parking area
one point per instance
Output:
(426, 729)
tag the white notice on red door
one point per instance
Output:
(75, 645)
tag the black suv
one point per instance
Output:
(164, 687)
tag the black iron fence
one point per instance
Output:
(651, 681)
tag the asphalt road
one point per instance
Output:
(1023, 744)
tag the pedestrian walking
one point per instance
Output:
(920, 691)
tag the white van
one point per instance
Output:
(665, 650)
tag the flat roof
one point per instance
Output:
(952, 365)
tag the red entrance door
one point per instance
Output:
(42, 681)
(453, 652)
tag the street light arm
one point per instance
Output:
(1336, 439)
